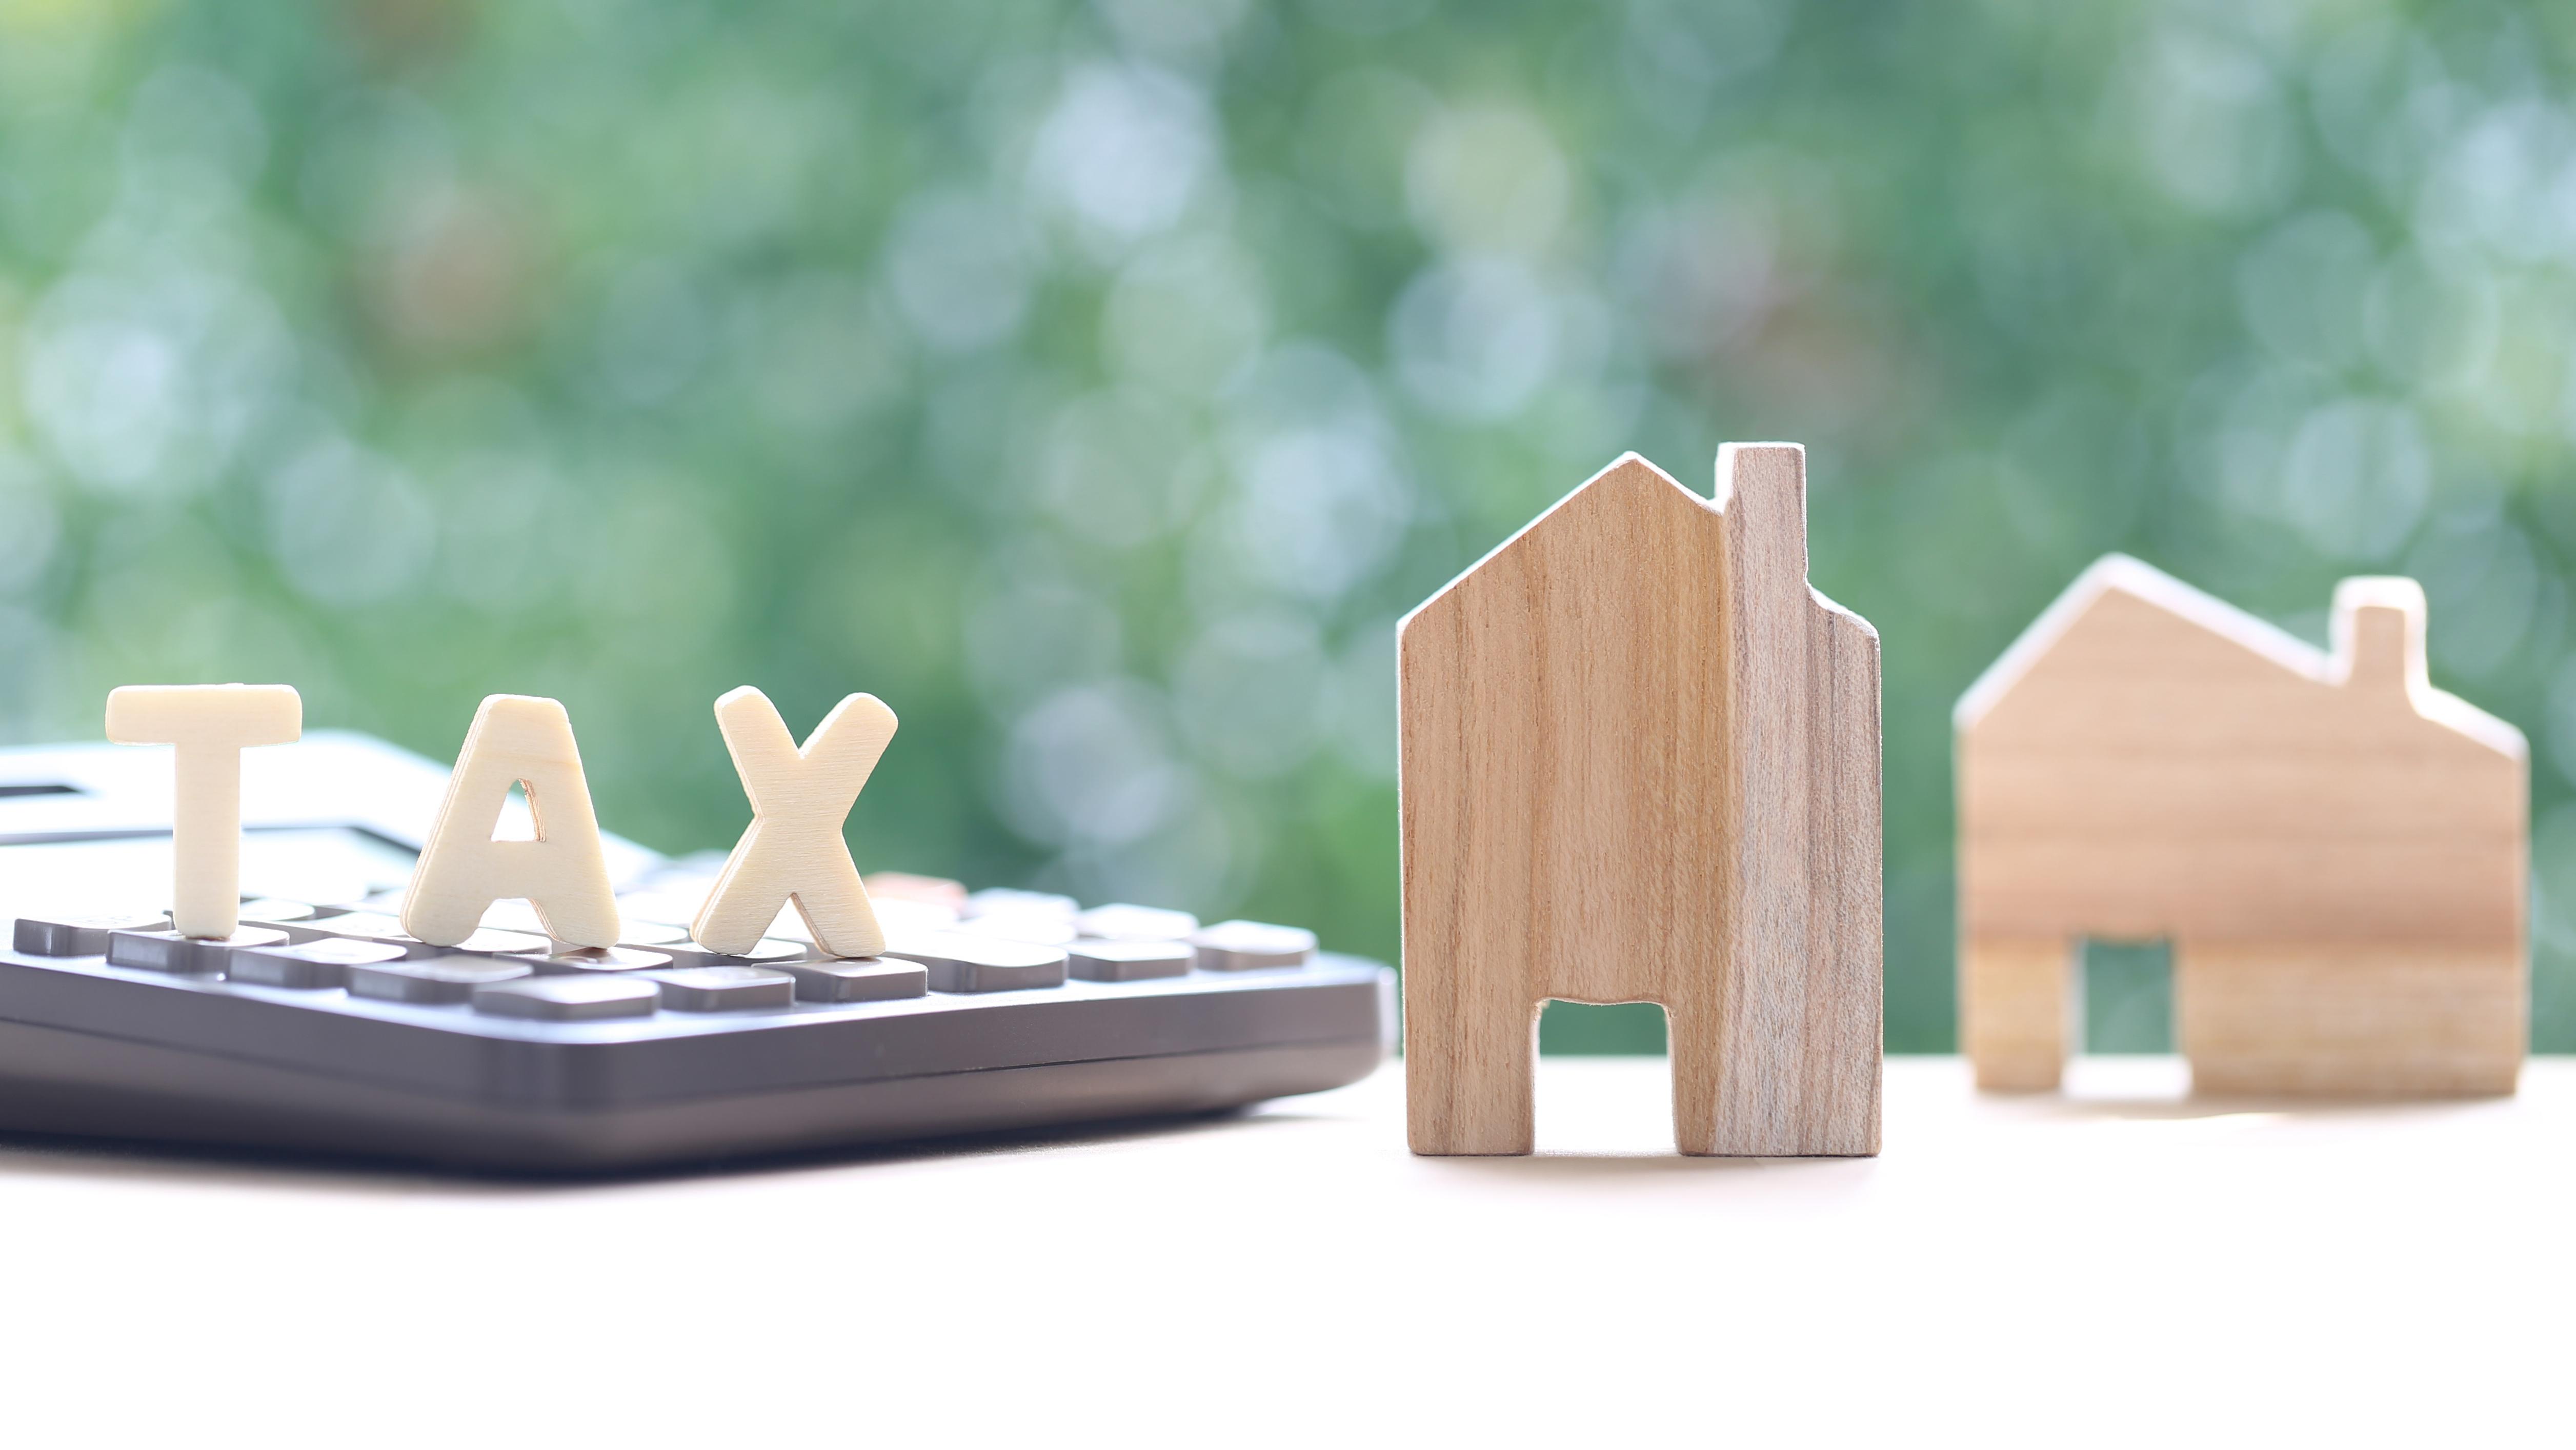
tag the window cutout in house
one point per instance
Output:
(2128, 997)
(1572, 1028)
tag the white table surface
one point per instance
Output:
(2116, 1266)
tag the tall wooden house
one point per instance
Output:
(1640, 762)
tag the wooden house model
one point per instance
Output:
(1640, 762)
(2334, 849)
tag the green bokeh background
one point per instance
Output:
(1098, 383)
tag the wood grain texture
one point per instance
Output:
(1640, 763)
(209, 725)
(2147, 762)
(524, 740)
(793, 850)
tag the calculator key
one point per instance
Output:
(71, 935)
(1236, 946)
(995, 900)
(899, 915)
(301, 921)
(939, 891)
(571, 999)
(769, 951)
(309, 965)
(958, 962)
(498, 943)
(375, 926)
(1122, 922)
(857, 979)
(277, 910)
(594, 961)
(168, 951)
(433, 979)
(1022, 926)
(1127, 961)
(521, 917)
(725, 989)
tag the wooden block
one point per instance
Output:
(793, 850)
(2336, 849)
(522, 740)
(209, 725)
(1640, 762)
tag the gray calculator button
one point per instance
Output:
(168, 951)
(1002, 900)
(769, 951)
(1127, 961)
(1237, 946)
(375, 926)
(308, 965)
(378, 927)
(301, 922)
(571, 999)
(958, 962)
(277, 911)
(593, 961)
(857, 979)
(1022, 926)
(436, 979)
(499, 942)
(81, 936)
(652, 934)
(1122, 922)
(154, 951)
(725, 989)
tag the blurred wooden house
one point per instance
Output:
(2334, 849)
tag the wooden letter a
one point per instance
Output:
(793, 848)
(526, 740)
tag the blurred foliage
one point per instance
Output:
(1097, 384)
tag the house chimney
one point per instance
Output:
(2379, 635)
(1762, 487)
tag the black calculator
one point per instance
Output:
(320, 1026)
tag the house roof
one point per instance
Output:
(2118, 573)
(1618, 467)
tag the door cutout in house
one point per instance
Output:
(1604, 1107)
(1570, 1029)
(2128, 997)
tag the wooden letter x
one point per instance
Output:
(793, 848)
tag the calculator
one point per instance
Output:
(321, 1026)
